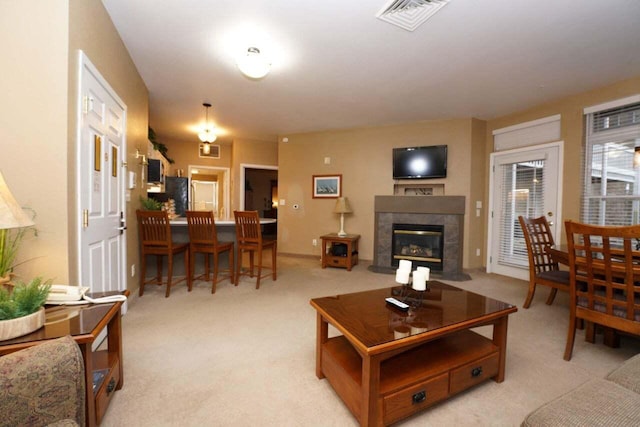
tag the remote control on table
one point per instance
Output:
(397, 304)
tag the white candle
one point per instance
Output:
(402, 276)
(405, 265)
(426, 271)
(419, 281)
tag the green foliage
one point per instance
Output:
(10, 240)
(24, 300)
(158, 146)
(149, 204)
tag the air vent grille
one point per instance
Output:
(409, 14)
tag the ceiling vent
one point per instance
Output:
(409, 14)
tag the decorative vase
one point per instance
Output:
(24, 325)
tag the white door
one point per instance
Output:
(101, 181)
(525, 182)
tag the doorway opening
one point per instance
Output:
(259, 192)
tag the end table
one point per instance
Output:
(346, 260)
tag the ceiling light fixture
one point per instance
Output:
(254, 64)
(206, 134)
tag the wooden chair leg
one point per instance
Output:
(590, 332)
(259, 267)
(238, 265)
(207, 266)
(143, 273)
(274, 265)
(571, 336)
(232, 268)
(192, 265)
(552, 296)
(159, 269)
(530, 294)
(215, 272)
(187, 272)
(611, 338)
(169, 275)
(251, 263)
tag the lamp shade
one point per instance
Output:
(11, 214)
(342, 206)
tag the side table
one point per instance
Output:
(344, 260)
(103, 367)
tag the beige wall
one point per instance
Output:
(363, 157)
(38, 118)
(186, 153)
(572, 133)
(33, 127)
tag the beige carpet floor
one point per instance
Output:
(246, 357)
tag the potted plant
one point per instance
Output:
(10, 240)
(149, 204)
(22, 309)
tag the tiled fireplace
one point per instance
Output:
(428, 213)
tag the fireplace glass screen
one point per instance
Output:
(420, 244)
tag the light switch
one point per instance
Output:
(479, 204)
(281, 202)
(327, 160)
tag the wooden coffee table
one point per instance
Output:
(389, 364)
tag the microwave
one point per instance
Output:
(155, 171)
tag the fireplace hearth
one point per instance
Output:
(444, 212)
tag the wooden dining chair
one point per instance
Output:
(543, 270)
(249, 239)
(203, 239)
(155, 239)
(604, 267)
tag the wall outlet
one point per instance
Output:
(314, 242)
(133, 270)
(477, 251)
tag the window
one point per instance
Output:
(611, 193)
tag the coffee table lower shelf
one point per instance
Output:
(415, 379)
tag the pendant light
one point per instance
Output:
(206, 135)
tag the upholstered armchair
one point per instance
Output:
(43, 385)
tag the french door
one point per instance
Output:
(527, 182)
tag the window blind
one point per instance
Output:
(611, 188)
(523, 194)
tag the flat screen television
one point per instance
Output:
(420, 162)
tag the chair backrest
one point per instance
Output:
(605, 274)
(154, 228)
(537, 235)
(248, 227)
(202, 228)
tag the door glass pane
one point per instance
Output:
(522, 194)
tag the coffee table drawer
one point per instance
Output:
(415, 398)
(473, 373)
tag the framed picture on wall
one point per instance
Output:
(327, 186)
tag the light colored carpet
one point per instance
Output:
(246, 357)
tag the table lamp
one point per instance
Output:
(11, 216)
(342, 207)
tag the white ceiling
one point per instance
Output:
(336, 66)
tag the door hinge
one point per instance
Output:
(85, 218)
(85, 104)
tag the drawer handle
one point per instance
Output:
(476, 372)
(111, 386)
(419, 397)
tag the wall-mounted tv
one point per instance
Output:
(420, 162)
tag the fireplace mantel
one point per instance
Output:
(440, 210)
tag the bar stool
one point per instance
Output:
(249, 239)
(155, 239)
(203, 239)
